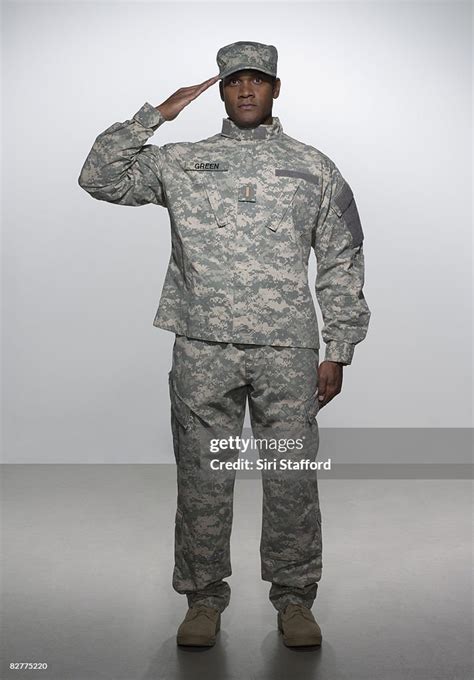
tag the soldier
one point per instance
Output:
(246, 206)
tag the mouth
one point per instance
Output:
(246, 106)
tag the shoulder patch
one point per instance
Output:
(343, 198)
(345, 207)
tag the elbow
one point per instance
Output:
(90, 187)
(91, 190)
(82, 181)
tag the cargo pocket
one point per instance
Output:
(312, 409)
(344, 205)
(181, 417)
(180, 409)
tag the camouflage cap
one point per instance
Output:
(244, 55)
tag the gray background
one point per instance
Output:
(382, 88)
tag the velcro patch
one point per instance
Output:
(289, 172)
(345, 207)
(343, 197)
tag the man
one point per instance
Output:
(246, 207)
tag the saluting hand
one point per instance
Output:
(182, 97)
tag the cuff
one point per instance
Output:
(149, 116)
(341, 352)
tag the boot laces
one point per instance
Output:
(297, 610)
(202, 609)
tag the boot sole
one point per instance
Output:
(300, 641)
(199, 641)
(196, 642)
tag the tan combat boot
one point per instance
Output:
(299, 627)
(200, 626)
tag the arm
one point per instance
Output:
(120, 167)
(337, 241)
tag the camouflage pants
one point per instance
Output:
(210, 383)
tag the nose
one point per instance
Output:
(245, 90)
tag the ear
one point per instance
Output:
(276, 88)
(221, 89)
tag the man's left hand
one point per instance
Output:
(330, 381)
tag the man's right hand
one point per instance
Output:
(329, 381)
(182, 97)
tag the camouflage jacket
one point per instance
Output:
(246, 206)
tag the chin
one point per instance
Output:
(250, 119)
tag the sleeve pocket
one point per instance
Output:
(345, 207)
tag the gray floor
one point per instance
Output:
(88, 556)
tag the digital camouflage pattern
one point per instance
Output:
(209, 385)
(245, 54)
(246, 206)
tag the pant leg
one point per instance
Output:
(208, 400)
(283, 401)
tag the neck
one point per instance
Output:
(265, 121)
(269, 127)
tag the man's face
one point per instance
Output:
(248, 97)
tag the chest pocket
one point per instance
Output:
(212, 177)
(284, 188)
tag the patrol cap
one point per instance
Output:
(244, 55)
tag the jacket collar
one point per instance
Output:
(230, 129)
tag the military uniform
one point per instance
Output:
(246, 206)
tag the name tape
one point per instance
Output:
(207, 165)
